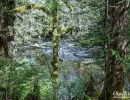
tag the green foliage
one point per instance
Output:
(96, 36)
(18, 76)
(113, 52)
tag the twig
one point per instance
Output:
(46, 60)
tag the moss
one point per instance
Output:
(23, 9)
(68, 4)
(69, 29)
(55, 74)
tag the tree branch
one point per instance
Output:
(24, 8)
(68, 4)
(69, 29)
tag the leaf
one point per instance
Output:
(113, 52)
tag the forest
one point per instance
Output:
(64, 50)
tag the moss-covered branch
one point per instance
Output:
(68, 30)
(68, 4)
(24, 8)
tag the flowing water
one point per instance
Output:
(68, 51)
(76, 64)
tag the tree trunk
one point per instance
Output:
(117, 49)
(55, 62)
(6, 21)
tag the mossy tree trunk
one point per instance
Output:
(116, 50)
(55, 61)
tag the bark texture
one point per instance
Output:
(6, 21)
(117, 49)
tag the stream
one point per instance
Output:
(68, 51)
(74, 66)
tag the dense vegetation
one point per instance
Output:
(64, 50)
